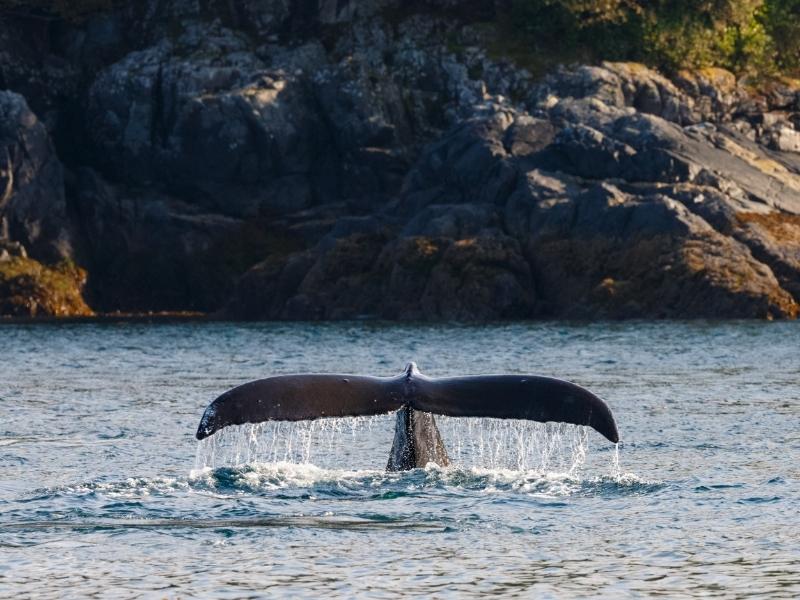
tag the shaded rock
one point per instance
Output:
(774, 239)
(344, 282)
(33, 210)
(214, 116)
(467, 165)
(716, 92)
(409, 278)
(470, 279)
(269, 290)
(151, 251)
(527, 136)
(349, 226)
(620, 85)
(30, 67)
(480, 278)
(455, 221)
(215, 124)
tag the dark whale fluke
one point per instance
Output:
(417, 441)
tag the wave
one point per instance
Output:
(130, 488)
(260, 478)
(297, 495)
(294, 480)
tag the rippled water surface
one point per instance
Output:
(104, 490)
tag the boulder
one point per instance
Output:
(604, 252)
(786, 139)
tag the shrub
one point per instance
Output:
(746, 36)
(781, 19)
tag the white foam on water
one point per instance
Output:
(280, 475)
(132, 487)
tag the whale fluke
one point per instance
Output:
(313, 396)
(301, 398)
(530, 397)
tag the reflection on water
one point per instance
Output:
(104, 487)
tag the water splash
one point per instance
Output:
(517, 445)
(483, 444)
(321, 442)
(619, 477)
(616, 469)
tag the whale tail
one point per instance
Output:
(305, 397)
(530, 397)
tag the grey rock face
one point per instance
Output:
(251, 130)
(217, 124)
(615, 199)
(32, 206)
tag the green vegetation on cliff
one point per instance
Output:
(756, 37)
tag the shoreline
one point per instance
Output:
(162, 317)
(193, 317)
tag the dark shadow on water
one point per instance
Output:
(289, 521)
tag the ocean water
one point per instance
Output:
(104, 491)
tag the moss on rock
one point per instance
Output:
(30, 289)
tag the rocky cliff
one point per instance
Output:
(287, 159)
